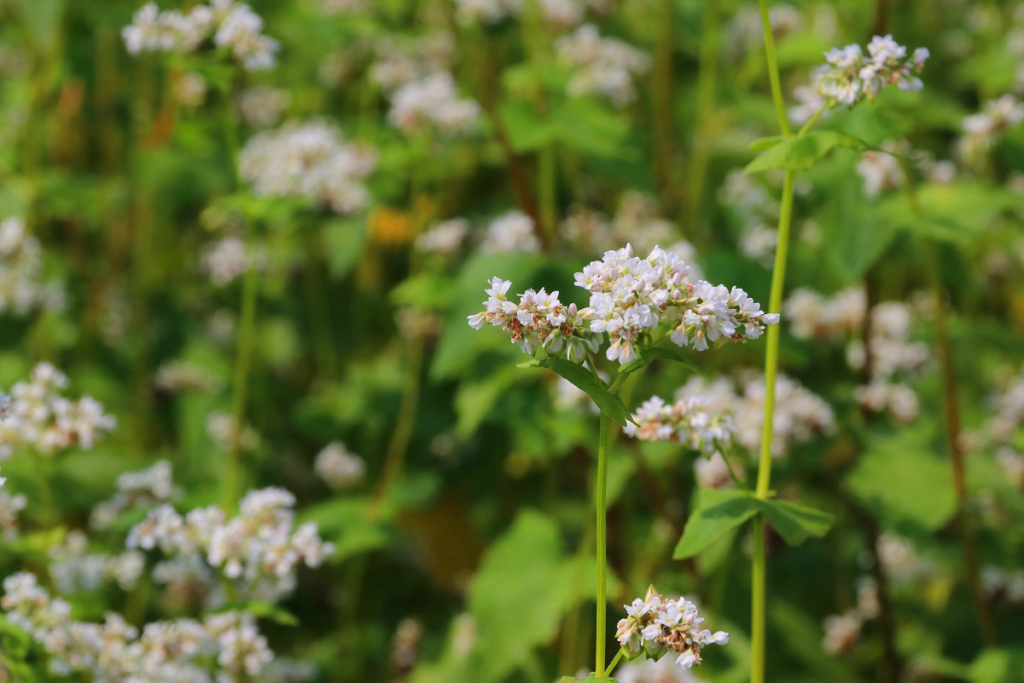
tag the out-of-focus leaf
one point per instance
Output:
(796, 523)
(582, 124)
(474, 399)
(904, 457)
(610, 404)
(344, 240)
(525, 573)
(998, 666)
(717, 513)
(956, 212)
(345, 522)
(262, 610)
(803, 151)
(424, 291)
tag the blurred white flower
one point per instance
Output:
(338, 467)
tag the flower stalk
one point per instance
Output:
(758, 582)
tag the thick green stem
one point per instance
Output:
(602, 543)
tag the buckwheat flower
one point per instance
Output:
(39, 418)
(74, 568)
(190, 90)
(809, 102)
(433, 103)
(868, 606)
(654, 625)
(134, 490)
(22, 289)
(758, 242)
(310, 160)
(604, 66)
(231, 26)
(880, 170)
(339, 467)
(849, 76)
(981, 130)
(447, 237)
(11, 505)
(485, 11)
(712, 472)
(511, 232)
(243, 650)
(900, 558)
(464, 634)
(181, 375)
(842, 633)
(229, 258)
(262, 106)
(880, 395)
(1009, 459)
(649, 671)
(405, 644)
(687, 421)
(221, 428)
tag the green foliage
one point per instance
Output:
(800, 152)
(584, 380)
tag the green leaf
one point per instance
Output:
(904, 457)
(803, 151)
(957, 212)
(525, 573)
(610, 404)
(717, 513)
(657, 353)
(344, 240)
(592, 678)
(762, 144)
(796, 523)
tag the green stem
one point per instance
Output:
(773, 70)
(814, 119)
(740, 484)
(602, 541)
(243, 362)
(611, 667)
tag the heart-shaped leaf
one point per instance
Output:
(582, 379)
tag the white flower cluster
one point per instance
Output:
(800, 415)
(228, 258)
(446, 237)
(74, 568)
(1000, 583)
(891, 353)
(981, 130)
(433, 103)
(221, 428)
(134, 490)
(339, 467)
(11, 505)
(653, 626)
(881, 170)
(511, 232)
(604, 66)
(539, 320)
(310, 160)
(842, 631)
(629, 298)
(559, 13)
(181, 375)
(687, 421)
(398, 62)
(190, 89)
(221, 24)
(849, 77)
(216, 650)
(21, 289)
(648, 671)
(262, 106)
(38, 417)
(260, 549)
(755, 210)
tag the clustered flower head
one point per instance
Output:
(687, 421)
(222, 647)
(654, 626)
(849, 77)
(510, 232)
(262, 105)
(560, 13)
(538, 320)
(446, 237)
(74, 568)
(260, 549)
(228, 258)
(799, 417)
(339, 467)
(433, 103)
(134, 490)
(38, 417)
(221, 24)
(981, 130)
(310, 160)
(629, 298)
(21, 286)
(604, 66)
